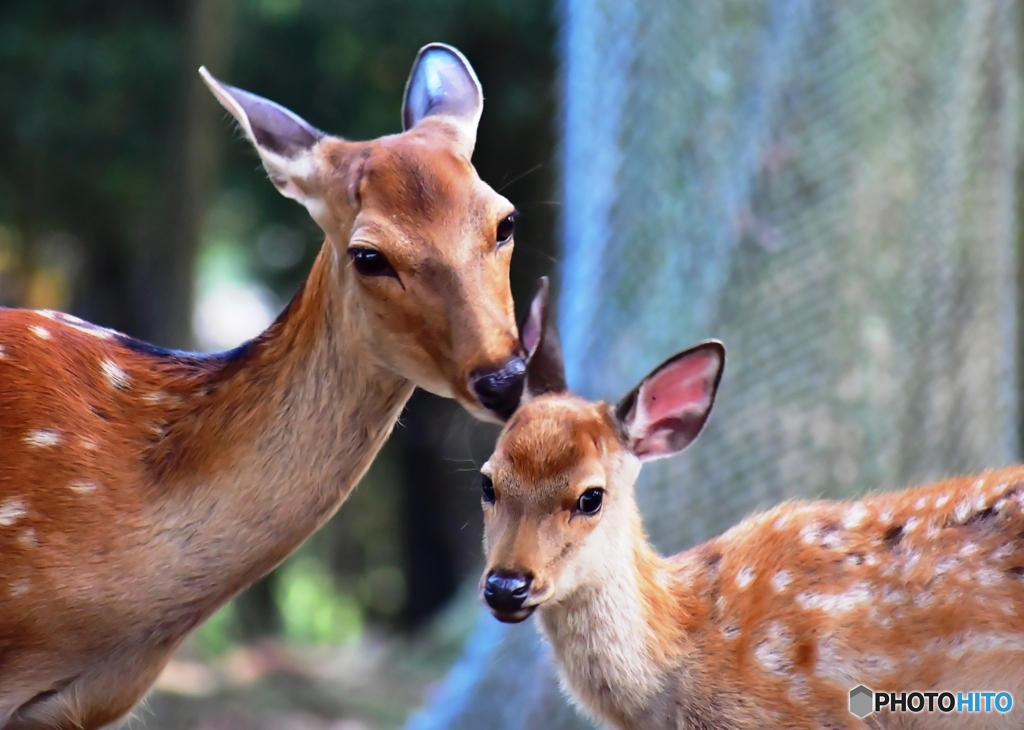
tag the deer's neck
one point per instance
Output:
(276, 437)
(617, 639)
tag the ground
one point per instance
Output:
(370, 686)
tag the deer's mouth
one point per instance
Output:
(514, 617)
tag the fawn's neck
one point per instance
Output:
(616, 639)
(280, 440)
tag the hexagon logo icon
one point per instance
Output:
(861, 701)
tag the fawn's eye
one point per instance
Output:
(487, 487)
(506, 227)
(370, 262)
(590, 501)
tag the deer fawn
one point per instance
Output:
(770, 625)
(142, 488)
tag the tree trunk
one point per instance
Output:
(164, 283)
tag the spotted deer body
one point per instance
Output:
(771, 624)
(141, 488)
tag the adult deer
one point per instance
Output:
(141, 488)
(772, 624)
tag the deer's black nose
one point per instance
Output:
(506, 591)
(499, 390)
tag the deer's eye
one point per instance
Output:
(487, 488)
(370, 262)
(506, 227)
(590, 501)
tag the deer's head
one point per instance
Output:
(422, 244)
(558, 491)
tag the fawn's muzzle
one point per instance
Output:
(499, 391)
(506, 592)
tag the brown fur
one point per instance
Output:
(772, 623)
(140, 489)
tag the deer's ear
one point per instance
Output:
(282, 138)
(443, 84)
(667, 410)
(545, 371)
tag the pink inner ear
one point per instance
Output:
(680, 388)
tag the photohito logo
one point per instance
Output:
(864, 701)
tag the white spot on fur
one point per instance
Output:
(855, 516)
(893, 595)
(780, 580)
(833, 664)
(3, 352)
(946, 565)
(989, 577)
(744, 577)
(11, 511)
(117, 377)
(1003, 551)
(924, 599)
(101, 333)
(83, 487)
(88, 444)
(1007, 608)
(975, 643)
(962, 511)
(39, 331)
(879, 664)
(941, 501)
(20, 587)
(771, 652)
(920, 503)
(781, 521)
(857, 595)
(810, 534)
(156, 397)
(886, 516)
(968, 550)
(28, 538)
(832, 541)
(798, 692)
(911, 524)
(42, 437)
(770, 659)
(730, 632)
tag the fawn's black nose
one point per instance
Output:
(506, 591)
(499, 391)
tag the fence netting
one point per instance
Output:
(828, 188)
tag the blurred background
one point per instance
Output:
(831, 188)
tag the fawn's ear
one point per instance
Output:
(545, 372)
(443, 84)
(666, 412)
(283, 139)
